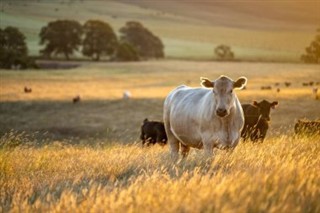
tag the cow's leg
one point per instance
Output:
(184, 150)
(208, 148)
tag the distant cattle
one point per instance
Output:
(305, 84)
(278, 90)
(153, 132)
(27, 90)
(306, 127)
(76, 99)
(311, 83)
(315, 93)
(287, 84)
(266, 88)
(257, 116)
(204, 117)
(277, 84)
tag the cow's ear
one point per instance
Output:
(274, 104)
(206, 82)
(240, 83)
(256, 104)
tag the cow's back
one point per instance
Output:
(251, 114)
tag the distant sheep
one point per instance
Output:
(27, 90)
(126, 94)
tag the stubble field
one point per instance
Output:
(58, 156)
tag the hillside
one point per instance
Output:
(271, 30)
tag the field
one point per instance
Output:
(256, 30)
(63, 157)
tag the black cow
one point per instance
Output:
(307, 127)
(257, 117)
(27, 90)
(76, 99)
(153, 132)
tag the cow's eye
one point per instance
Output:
(231, 91)
(214, 92)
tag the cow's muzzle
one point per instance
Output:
(221, 112)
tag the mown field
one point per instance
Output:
(63, 157)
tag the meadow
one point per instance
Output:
(63, 157)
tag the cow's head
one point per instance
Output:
(223, 94)
(264, 107)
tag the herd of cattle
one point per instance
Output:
(212, 117)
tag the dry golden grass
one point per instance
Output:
(281, 175)
(110, 172)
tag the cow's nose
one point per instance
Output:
(221, 112)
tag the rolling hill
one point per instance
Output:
(256, 30)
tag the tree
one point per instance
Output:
(100, 39)
(60, 37)
(223, 52)
(13, 48)
(312, 54)
(145, 42)
(125, 52)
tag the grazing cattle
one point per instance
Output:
(27, 90)
(315, 93)
(277, 84)
(266, 88)
(307, 127)
(305, 84)
(153, 132)
(257, 116)
(278, 90)
(126, 94)
(311, 83)
(76, 99)
(315, 90)
(202, 117)
(287, 84)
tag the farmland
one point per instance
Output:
(58, 156)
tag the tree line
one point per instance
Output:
(95, 39)
(98, 39)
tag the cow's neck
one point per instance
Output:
(227, 122)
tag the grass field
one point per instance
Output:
(256, 30)
(63, 157)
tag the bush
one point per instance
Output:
(312, 54)
(223, 52)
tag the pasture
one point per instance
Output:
(59, 156)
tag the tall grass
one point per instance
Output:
(280, 175)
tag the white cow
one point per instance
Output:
(204, 118)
